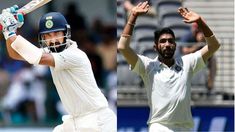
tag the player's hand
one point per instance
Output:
(141, 8)
(10, 21)
(189, 16)
(19, 16)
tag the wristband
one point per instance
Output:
(8, 34)
(132, 24)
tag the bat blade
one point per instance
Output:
(32, 5)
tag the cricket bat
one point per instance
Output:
(31, 6)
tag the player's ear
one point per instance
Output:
(155, 47)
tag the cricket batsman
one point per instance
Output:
(167, 79)
(70, 68)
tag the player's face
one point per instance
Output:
(166, 46)
(54, 38)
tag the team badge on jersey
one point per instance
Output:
(178, 68)
(49, 24)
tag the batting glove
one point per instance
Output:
(10, 21)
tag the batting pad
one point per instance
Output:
(28, 51)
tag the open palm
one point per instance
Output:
(141, 8)
(189, 16)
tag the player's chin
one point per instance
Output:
(168, 55)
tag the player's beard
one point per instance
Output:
(166, 53)
(57, 47)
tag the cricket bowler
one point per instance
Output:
(167, 79)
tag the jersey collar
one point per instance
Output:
(177, 66)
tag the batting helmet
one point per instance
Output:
(53, 22)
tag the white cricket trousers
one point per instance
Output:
(157, 127)
(103, 120)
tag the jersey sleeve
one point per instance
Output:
(68, 59)
(141, 65)
(196, 62)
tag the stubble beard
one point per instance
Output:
(166, 53)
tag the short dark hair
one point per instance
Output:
(165, 30)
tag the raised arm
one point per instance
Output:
(19, 48)
(9, 27)
(212, 43)
(124, 42)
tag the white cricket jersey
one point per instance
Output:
(75, 82)
(168, 89)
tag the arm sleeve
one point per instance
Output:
(141, 65)
(196, 62)
(27, 50)
(68, 59)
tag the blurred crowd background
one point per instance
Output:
(27, 93)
